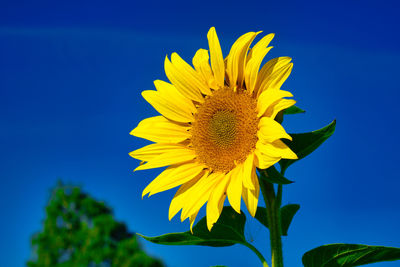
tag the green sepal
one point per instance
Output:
(289, 111)
(273, 176)
(287, 214)
(293, 110)
(348, 255)
(227, 231)
(305, 143)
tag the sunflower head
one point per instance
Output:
(225, 128)
(217, 125)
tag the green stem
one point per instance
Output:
(272, 204)
(279, 196)
(259, 255)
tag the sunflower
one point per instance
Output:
(217, 125)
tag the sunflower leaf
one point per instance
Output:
(293, 110)
(227, 231)
(262, 216)
(305, 143)
(273, 176)
(287, 214)
(289, 111)
(348, 255)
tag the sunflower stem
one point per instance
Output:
(272, 203)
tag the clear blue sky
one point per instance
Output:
(70, 83)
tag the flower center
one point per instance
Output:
(224, 131)
(222, 128)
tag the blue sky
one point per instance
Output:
(70, 83)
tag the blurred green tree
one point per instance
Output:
(80, 231)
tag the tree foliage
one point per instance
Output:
(81, 231)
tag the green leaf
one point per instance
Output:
(305, 143)
(289, 111)
(287, 214)
(262, 216)
(273, 176)
(227, 231)
(348, 255)
(293, 110)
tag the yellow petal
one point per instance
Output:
(261, 45)
(181, 197)
(189, 75)
(273, 110)
(263, 161)
(201, 65)
(269, 69)
(201, 192)
(288, 153)
(215, 202)
(159, 129)
(270, 130)
(192, 195)
(169, 92)
(165, 173)
(192, 218)
(277, 78)
(250, 196)
(217, 60)
(248, 168)
(234, 190)
(148, 152)
(276, 149)
(255, 57)
(199, 58)
(183, 81)
(267, 98)
(175, 176)
(178, 154)
(237, 59)
(167, 107)
(252, 67)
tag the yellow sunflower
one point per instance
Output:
(216, 126)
